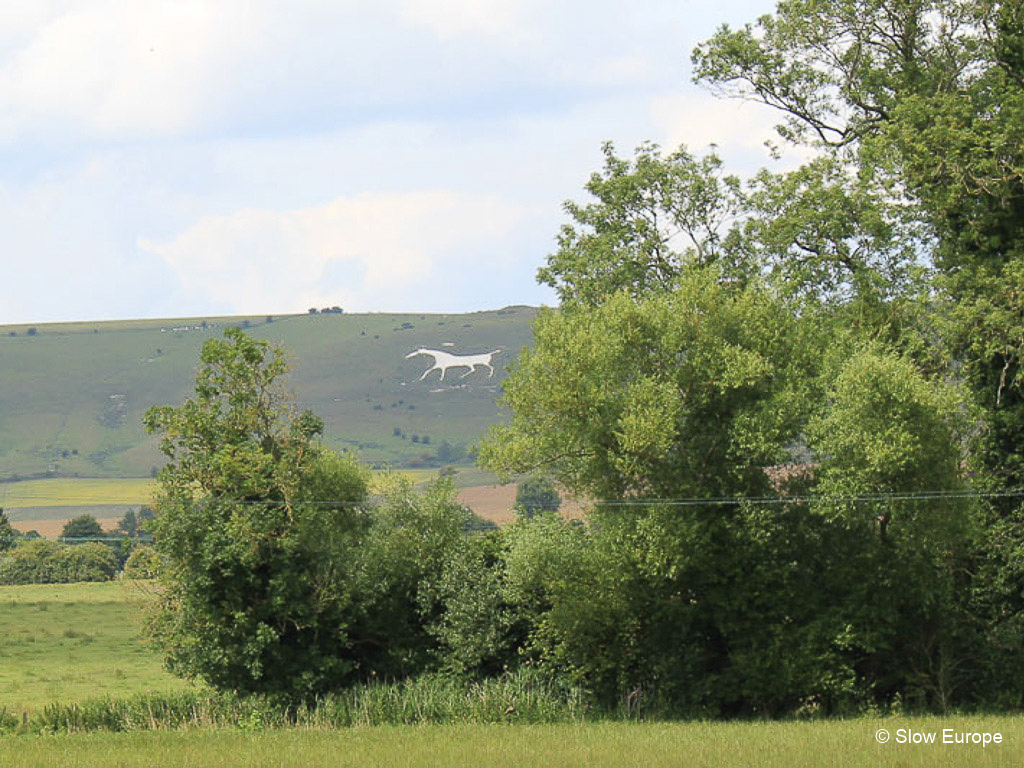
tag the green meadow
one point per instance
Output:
(70, 492)
(839, 743)
(70, 642)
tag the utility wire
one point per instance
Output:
(811, 499)
(666, 502)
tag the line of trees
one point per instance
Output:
(841, 342)
(797, 398)
(85, 552)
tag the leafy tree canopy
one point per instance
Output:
(7, 534)
(535, 495)
(685, 393)
(82, 527)
(253, 525)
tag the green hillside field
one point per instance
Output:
(72, 395)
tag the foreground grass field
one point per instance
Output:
(69, 642)
(846, 743)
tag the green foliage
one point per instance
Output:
(82, 527)
(925, 100)
(7, 534)
(280, 578)
(685, 393)
(629, 239)
(47, 562)
(837, 70)
(143, 563)
(888, 430)
(253, 526)
(827, 237)
(535, 495)
(410, 538)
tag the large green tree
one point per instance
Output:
(254, 523)
(926, 97)
(670, 409)
(684, 393)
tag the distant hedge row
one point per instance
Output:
(47, 562)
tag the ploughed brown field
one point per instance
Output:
(491, 502)
(50, 529)
(495, 502)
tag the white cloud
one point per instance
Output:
(367, 252)
(449, 19)
(739, 129)
(167, 157)
(122, 69)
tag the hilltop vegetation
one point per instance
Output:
(72, 395)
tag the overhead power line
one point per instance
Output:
(719, 501)
(810, 499)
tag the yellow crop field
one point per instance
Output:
(70, 492)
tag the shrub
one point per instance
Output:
(47, 562)
(82, 527)
(536, 495)
(144, 563)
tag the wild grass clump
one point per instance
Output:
(521, 697)
(434, 699)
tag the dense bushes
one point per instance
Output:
(47, 562)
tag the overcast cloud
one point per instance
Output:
(225, 157)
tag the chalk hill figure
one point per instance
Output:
(445, 360)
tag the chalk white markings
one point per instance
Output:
(445, 360)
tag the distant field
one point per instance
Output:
(69, 642)
(771, 745)
(72, 395)
(66, 492)
(45, 505)
(496, 503)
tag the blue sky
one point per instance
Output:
(166, 159)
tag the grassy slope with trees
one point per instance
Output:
(72, 395)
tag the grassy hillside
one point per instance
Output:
(72, 395)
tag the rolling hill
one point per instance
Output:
(72, 395)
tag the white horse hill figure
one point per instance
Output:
(445, 360)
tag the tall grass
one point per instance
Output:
(519, 698)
